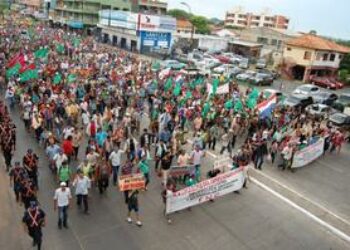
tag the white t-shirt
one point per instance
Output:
(62, 197)
(59, 159)
(197, 157)
(115, 158)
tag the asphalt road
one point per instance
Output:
(252, 220)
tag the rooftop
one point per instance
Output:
(315, 42)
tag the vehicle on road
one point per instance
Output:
(307, 89)
(235, 59)
(244, 63)
(342, 102)
(273, 73)
(228, 70)
(340, 120)
(324, 97)
(261, 63)
(326, 82)
(246, 75)
(260, 79)
(172, 64)
(318, 110)
(298, 100)
(223, 59)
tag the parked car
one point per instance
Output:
(172, 64)
(228, 70)
(260, 79)
(325, 98)
(235, 59)
(342, 102)
(298, 100)
(223, 59)
(326, 82)
(318, 110)
(340, 120)
(245, 76)
(307, 89)
(261, 63)
(244, 63)
(273, 73)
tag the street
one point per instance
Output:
(254, 219)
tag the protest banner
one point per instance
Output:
(309, 154)
(176, 171)
(223, 164)
(223, 89)
(206, 190)
(131, 182)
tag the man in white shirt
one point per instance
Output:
(59, 158)
(82, 186)
(62, 200)
(115, 160)
(196, 158)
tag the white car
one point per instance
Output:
(307, 89)
(318, 110)
(246, 75)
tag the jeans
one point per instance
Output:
(115, 170)
(62, 216)
(146, 178)
(83, 198)
(198, 172)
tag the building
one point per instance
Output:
(312, 55)
(136, 31)
(242, 19)
(245, 48)
(79, 13)
(33, 4)
(272, 41)
(184, 26)
(223, 32)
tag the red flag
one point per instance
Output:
(19, 58)
(27, 67)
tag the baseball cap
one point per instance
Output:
(62, 184)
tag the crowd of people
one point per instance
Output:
(70, 90)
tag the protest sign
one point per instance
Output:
(223, 89)
(176, 171)
(206, 190)
(309, 154)
(223, 164)
(131, 182)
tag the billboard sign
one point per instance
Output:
(155, 39)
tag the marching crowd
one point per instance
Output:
(72, 91)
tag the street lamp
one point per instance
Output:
(192, 28)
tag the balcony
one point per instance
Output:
(334, 64)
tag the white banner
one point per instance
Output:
(309, 154)
(223, 89)
(223, 164)
(206, 190)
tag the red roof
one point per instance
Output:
(183, 24)
(315, 42)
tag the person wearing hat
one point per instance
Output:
(33, 220)
(62, 199)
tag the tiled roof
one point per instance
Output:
(182, 23)
(315, 42)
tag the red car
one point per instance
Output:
(326, 82)
(223, 59)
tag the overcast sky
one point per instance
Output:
(327, 17)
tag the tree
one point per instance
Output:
(201, 24)
(179, 14)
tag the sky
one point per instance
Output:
(327, 17)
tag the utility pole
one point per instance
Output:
(192, 28)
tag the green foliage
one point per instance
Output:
(179, 14)
(201, 24)
(343, 75)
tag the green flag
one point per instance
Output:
(76, 42)
(254, 94)
(251, 103)
(177, 90)
(156, 66)
(28, 75)
(57, 79)
(215, 85)
(188, 94)
(71, 78)
(238, 106)
(229, 104)
(41, 53)
(60, 48)
(168, 84)
(206, 108)
(13, 71)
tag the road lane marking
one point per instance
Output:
(331, 228)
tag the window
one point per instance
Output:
(325, 57)
(289, 49)
(262, 40)
(318, 57)
(307, 55)
(340, 57)
(332, 58)
(274, 42)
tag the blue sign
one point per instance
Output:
(155, 39)
(76, 24)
